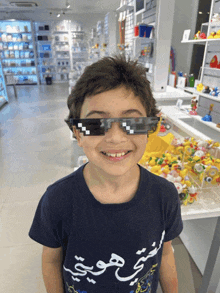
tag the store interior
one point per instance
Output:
(44, 48)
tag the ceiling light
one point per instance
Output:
(58, 14)
(67, 5)
(200, 12)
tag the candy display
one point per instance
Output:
(190, 164)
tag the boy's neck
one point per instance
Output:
(112, 189)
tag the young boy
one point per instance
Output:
(107, 227)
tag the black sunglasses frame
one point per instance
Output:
(132, 126)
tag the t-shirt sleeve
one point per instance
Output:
(45, 228)
(173, 219)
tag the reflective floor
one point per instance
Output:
(36, 150)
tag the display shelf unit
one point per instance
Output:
(17, 49)
(209, 76)
(153, 53)
(43, 39)
(3, 88)
(79, 45)
(62, 52)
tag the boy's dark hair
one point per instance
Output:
(107, 74)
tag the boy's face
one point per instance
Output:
(113, 104)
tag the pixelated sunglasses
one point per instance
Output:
(93, 127)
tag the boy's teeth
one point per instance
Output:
(115, 155)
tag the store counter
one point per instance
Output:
(171, 96)
(201, 233)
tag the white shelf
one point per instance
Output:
(61, 32)
(213, 69)
(125, 7)
(201, 41)
(194, 91)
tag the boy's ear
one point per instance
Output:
(77, 135)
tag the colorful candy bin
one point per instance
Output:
(192, 165)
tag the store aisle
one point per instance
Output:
(36, 150)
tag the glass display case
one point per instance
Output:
(3, 89)
(18, 52)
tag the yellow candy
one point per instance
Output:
(188, 183)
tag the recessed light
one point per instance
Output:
(58, 14)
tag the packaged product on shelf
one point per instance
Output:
(4, 37)
(31, 54)
(10, 46)
(12, 54)
(9, 38)
(7, 54)
(24, 37)
(26, 28)
(27, 54)
(26, 46)
(16, 47)
(19, 39)
(17, 55)
(22, 54)
(20, 46)
(14, 38)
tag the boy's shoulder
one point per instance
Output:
(63, 189)
(158, 184)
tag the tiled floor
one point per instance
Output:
(36, 150)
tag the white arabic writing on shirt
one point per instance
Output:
(116, 261)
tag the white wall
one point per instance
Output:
(185, 14)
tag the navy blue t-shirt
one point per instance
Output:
(108, 248)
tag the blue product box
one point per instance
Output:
(46, 47)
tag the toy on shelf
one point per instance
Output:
(215, 92)
(194, 102)
(199, 36)
(215, 18)
(214, 62)
(211, 36)
(206, 90)
(217, 35)
(208, 117)
(200, 87)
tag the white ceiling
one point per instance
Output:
(87, 12)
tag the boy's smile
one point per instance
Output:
(115, 153)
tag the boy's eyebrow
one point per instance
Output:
(107, 113)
